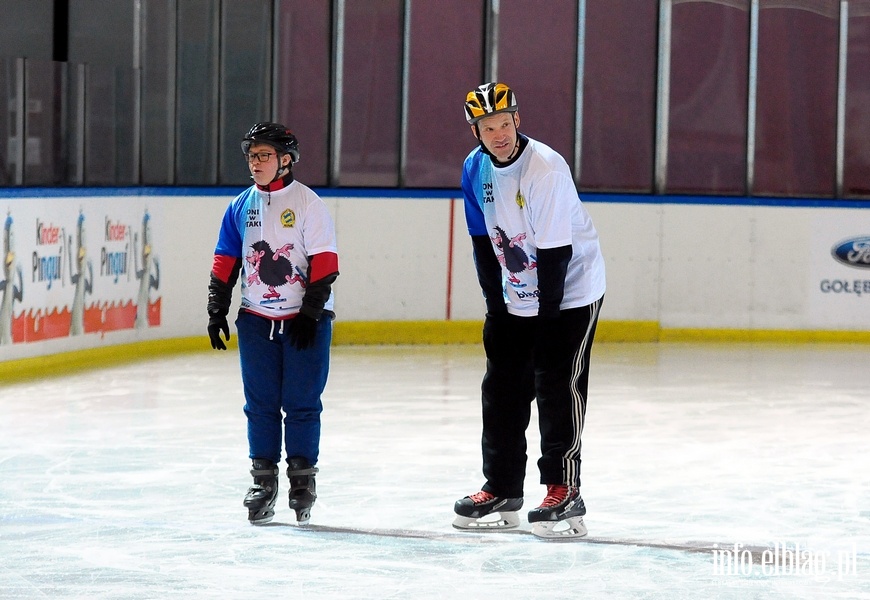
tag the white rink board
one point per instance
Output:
(761, 267)
(716, 266)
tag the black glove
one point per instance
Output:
(220, 293)
(498, 334)
(216, 324)
(302, 330)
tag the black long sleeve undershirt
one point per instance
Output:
(220, 293)
(488, 274)
(552, 269)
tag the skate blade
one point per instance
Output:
(572, 527)
(263, 520)
(506, 520)
(303, 516)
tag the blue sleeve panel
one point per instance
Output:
(472, 189)
(233, 225)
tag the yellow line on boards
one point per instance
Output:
(361, 333)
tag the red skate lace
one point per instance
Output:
(481, 497)
(555, 495)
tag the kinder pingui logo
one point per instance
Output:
(853, 252)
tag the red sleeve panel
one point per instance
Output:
(223, 266)
(322, 265)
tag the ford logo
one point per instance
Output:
(853, 252)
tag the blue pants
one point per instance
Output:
(277, 377)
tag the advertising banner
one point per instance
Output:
(76, 267)
(840, 274)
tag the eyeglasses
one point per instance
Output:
(259, 156)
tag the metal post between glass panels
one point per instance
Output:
(752, 97)
(20, 137)
(578, 102)
(81, 86)
(663, 94)
(841, 96)
(337, 91)
(138, 24)
(491, 41)
(406, 74)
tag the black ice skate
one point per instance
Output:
(260, 499)
(475, 512)
(302, 489)
(560, 515)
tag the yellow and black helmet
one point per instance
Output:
(488, 99)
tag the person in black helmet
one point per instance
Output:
(540, 267)
(279, 235)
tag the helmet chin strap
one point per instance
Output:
(515, 150)
(282, 170)
(281, 173)
(483, 147)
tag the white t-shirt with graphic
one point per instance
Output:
(274, 233)
(530, 204)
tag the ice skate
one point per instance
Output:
(260, 499)
(483, 511)
(302, 489)
(560, 515)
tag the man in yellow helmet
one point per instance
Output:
(540, 267)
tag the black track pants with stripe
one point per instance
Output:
(547, 362)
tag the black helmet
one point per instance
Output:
(274, 134)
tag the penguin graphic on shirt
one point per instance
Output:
(272, 268)
(511, 255)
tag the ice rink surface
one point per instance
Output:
(127, 483)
